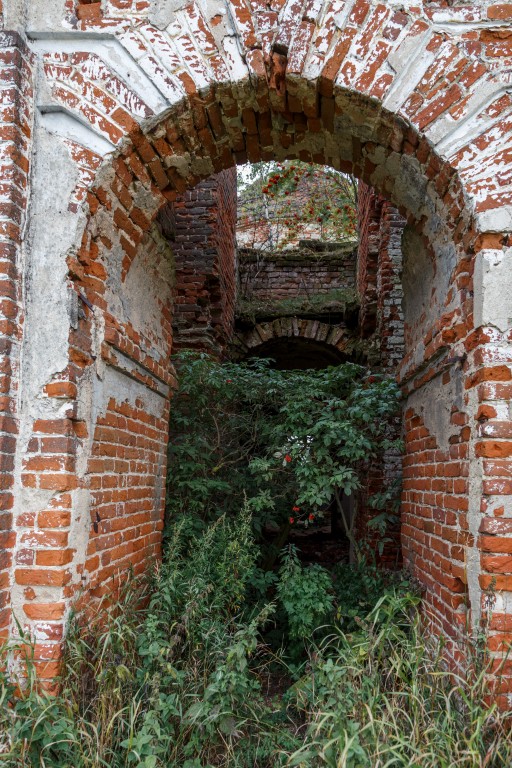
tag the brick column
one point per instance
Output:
(390, 319)
(16, 111)
(379, 265)
(369, 210)
(379, 285)
(202, 225)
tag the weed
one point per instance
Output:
(178, 674)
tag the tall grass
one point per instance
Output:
(382, 697)
(180, 674)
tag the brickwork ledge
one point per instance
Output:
(338, 305)
(308, 251)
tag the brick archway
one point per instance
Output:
(329, 341)
(141, 108)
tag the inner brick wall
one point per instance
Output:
(315, 268)
(127, 466)
(435, 531)
(203, 237)
(434, 526)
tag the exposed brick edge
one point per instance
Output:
(16, 115)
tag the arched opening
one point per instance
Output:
(122, 241)
(118, 362)
(383, 162)
(298, 307)
(298, 354)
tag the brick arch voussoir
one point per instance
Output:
(225, 125)
(300, 72)
(348, 130)
(326, 334)
(258, 119)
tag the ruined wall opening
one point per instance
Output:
(298, 307)
(402, 180)
(120, 344)
(116, 227)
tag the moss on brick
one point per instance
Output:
(340, 301)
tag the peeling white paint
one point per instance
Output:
(66, 124)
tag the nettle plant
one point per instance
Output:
(281, 203)
(286, 443)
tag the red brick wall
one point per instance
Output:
(204, 247)
(16, 113)
(435, 492)
(127, 516)
(103, 464)
(439, 502)
(435, 531)
(314, 268)
(126, 470)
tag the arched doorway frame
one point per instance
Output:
(263, 107)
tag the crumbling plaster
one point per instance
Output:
(51, 306)
(493, 288)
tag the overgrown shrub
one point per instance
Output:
(306, 594)
(286, 442)
(186, 680)
(215, 662)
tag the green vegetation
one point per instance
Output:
(338, 301)
(192, 680)
(293, 199)
(283, 442)
(234, 655)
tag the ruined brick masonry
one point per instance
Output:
(16, 126)
(113, 110)
(313, 267)
(202, 231)
(379, 275)
(274, 291)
